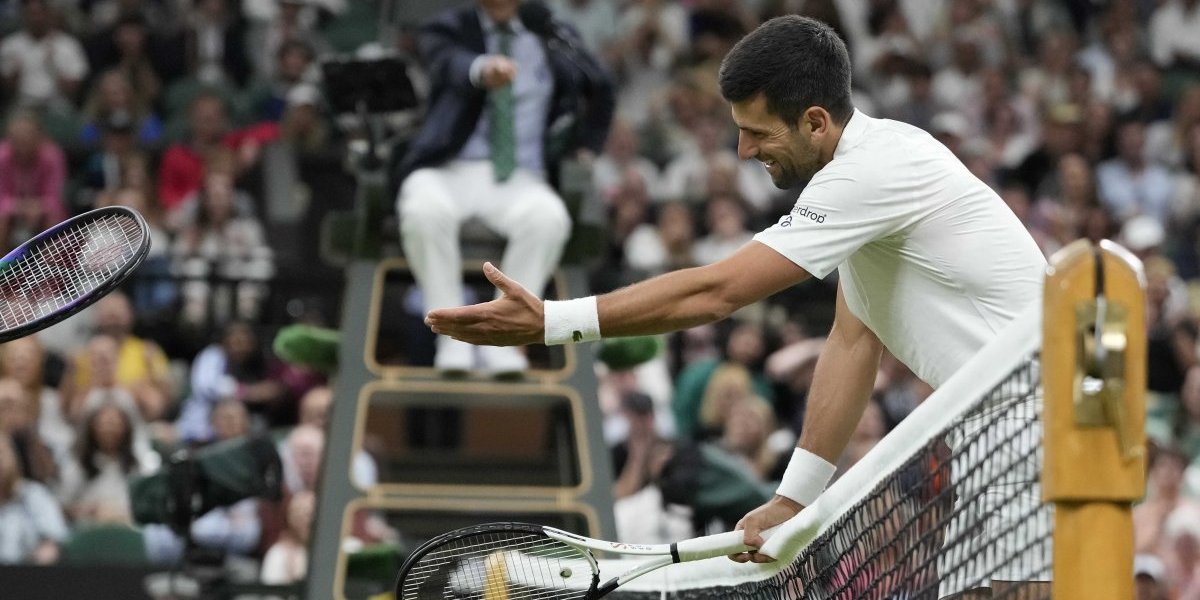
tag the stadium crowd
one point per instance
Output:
(1084, 115)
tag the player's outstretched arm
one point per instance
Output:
(669, 302)
(842, 384)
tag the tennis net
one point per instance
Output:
(948, 502)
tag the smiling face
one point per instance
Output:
(788, 151)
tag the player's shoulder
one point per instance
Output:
(871, 149)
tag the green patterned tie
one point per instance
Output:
(502, 137)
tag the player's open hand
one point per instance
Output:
(774, 512)
(513, 319)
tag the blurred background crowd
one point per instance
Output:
(1084, 115)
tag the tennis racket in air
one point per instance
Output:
(68, 267)
(512, 561)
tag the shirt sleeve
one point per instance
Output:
(69, 59)
(45, 512)
(840, 210)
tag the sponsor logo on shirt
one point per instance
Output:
(801, 212)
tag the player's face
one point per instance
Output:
(788, 152)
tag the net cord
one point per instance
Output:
(973, 381)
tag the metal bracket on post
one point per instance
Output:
(1099, 387)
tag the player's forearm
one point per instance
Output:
(842, 384)
(669, 302)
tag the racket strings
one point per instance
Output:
(499, 565)
(65, 267)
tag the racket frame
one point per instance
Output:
(84, 300)
(699, 548)
(709, 546)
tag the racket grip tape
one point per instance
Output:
(709, 546)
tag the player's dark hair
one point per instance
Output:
(794, 62)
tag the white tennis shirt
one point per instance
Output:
(928, 256)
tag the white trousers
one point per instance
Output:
(434, 203)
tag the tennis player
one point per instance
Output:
(931, 263)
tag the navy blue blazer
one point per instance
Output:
(449, 43)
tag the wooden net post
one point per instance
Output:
(1094, 377)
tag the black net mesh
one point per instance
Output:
(962, 513)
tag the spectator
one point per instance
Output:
(113, 96)
(655, 37)
(664, 246)
(22, 360)
(1167, 141)
(1130, 185)
(32, 176)
(95, 485)
(102, 358)
(19, 421)
(1185, 219)
(747, 435)
(41, 65)
(919, 105)
(726, 221)
(305, 449)
(1061, 134)
(214, 44)
(729, 386)
(230, 420)
(234, 368)
(101, 15)
(694, 387)
(127, 49)
(183, 163)
(314, 411)
(1172, 36)
(227, 242)
(1046, 81)
(1063, 213)
(105, 167)
(295, 65)
(1110, 60)
(287, 559)
(959, 83)
(303, 125)
(1183, 558)
(32, 525)
(481, 153)
(294, 21)
(139, 367)
(685, 178)
(1007, 142)
(1164, 497)
(621, 153)
(1186, 432)
(641, 514)
(1149, 578)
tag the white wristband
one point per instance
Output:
(568, 321)
(805, 477)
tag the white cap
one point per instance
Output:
(304, 94)
(1149, 564)
(950, 122)
(1142, 233)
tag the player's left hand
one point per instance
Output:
(515, 318)
(775, 511)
